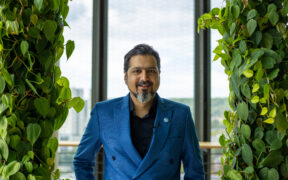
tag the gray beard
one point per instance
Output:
(143, 97)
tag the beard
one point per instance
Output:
(143, 96)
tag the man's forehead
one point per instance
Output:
(142, 67)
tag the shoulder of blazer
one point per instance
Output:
(169, 104)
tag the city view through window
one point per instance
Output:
(169, 27)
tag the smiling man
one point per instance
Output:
(144, 136)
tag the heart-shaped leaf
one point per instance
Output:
(42, 105)
(242, 110)
(251, 26)
(24, 46)
(33, 132)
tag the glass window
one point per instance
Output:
(78, 70)
(168, 26)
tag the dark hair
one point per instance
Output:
(141, 49)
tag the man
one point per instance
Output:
(144, 136)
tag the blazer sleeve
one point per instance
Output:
(191, 155)
(84, 159)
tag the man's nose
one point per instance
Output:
(144, 76)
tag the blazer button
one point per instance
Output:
(113, 158)
(171, 161)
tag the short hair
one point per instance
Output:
(141, 49)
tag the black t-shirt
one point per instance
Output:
(142, 128)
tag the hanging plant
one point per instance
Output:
(253, 51)
(34, 97)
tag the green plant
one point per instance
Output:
(254, 52)
(34, 97)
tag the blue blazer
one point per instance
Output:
(174, 140)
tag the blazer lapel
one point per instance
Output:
(122, 116)
(160, 133)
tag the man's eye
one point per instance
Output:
(151, 71)
(137, 71)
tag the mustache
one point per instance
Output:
(144, 83)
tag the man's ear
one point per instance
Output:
(125, 77)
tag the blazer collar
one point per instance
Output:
(160, 133)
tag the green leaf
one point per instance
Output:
(273, 112)
(24, 46)
(257, 38)
(272, 7)
(12, 27)
(276, 144)
(273, 74)
(50, 29)
(3, 127)
(31, 86)
(60, 119)
(222, 140)
(232, 28)
(77, 103)
(258, 133)
(242, 46)
(53, 144)
(247, 154)
(269, 121)
(264, 111)
(268, 40)
(255, 55)
(248, 73)
(281, 123)
(251, 26)
(248, 170)
(34, 19)
(47, 129)
(242, 110)
(251, 14)
(246, 131)
(266, 91)
(31, 177)
(63, 81)
(235, 10)
(33, 132)
(273, 17)
(14, 141)
(42, 105)
(255, 88)
(18, 176)
(69, 48)
(7, 77)
(57, 174)
(2, 84)
(38, 4)
(28, 166)
(284, 169)
(273, 159)
(59, 52)
(259, 145)
(245, 89)
(4, 149)
(12, 168)
(233, 174)
(255, 99)
(65, 95)
(268, 62)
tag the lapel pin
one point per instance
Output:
(166, 120)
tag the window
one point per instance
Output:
(78, 70)
(168, 26)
